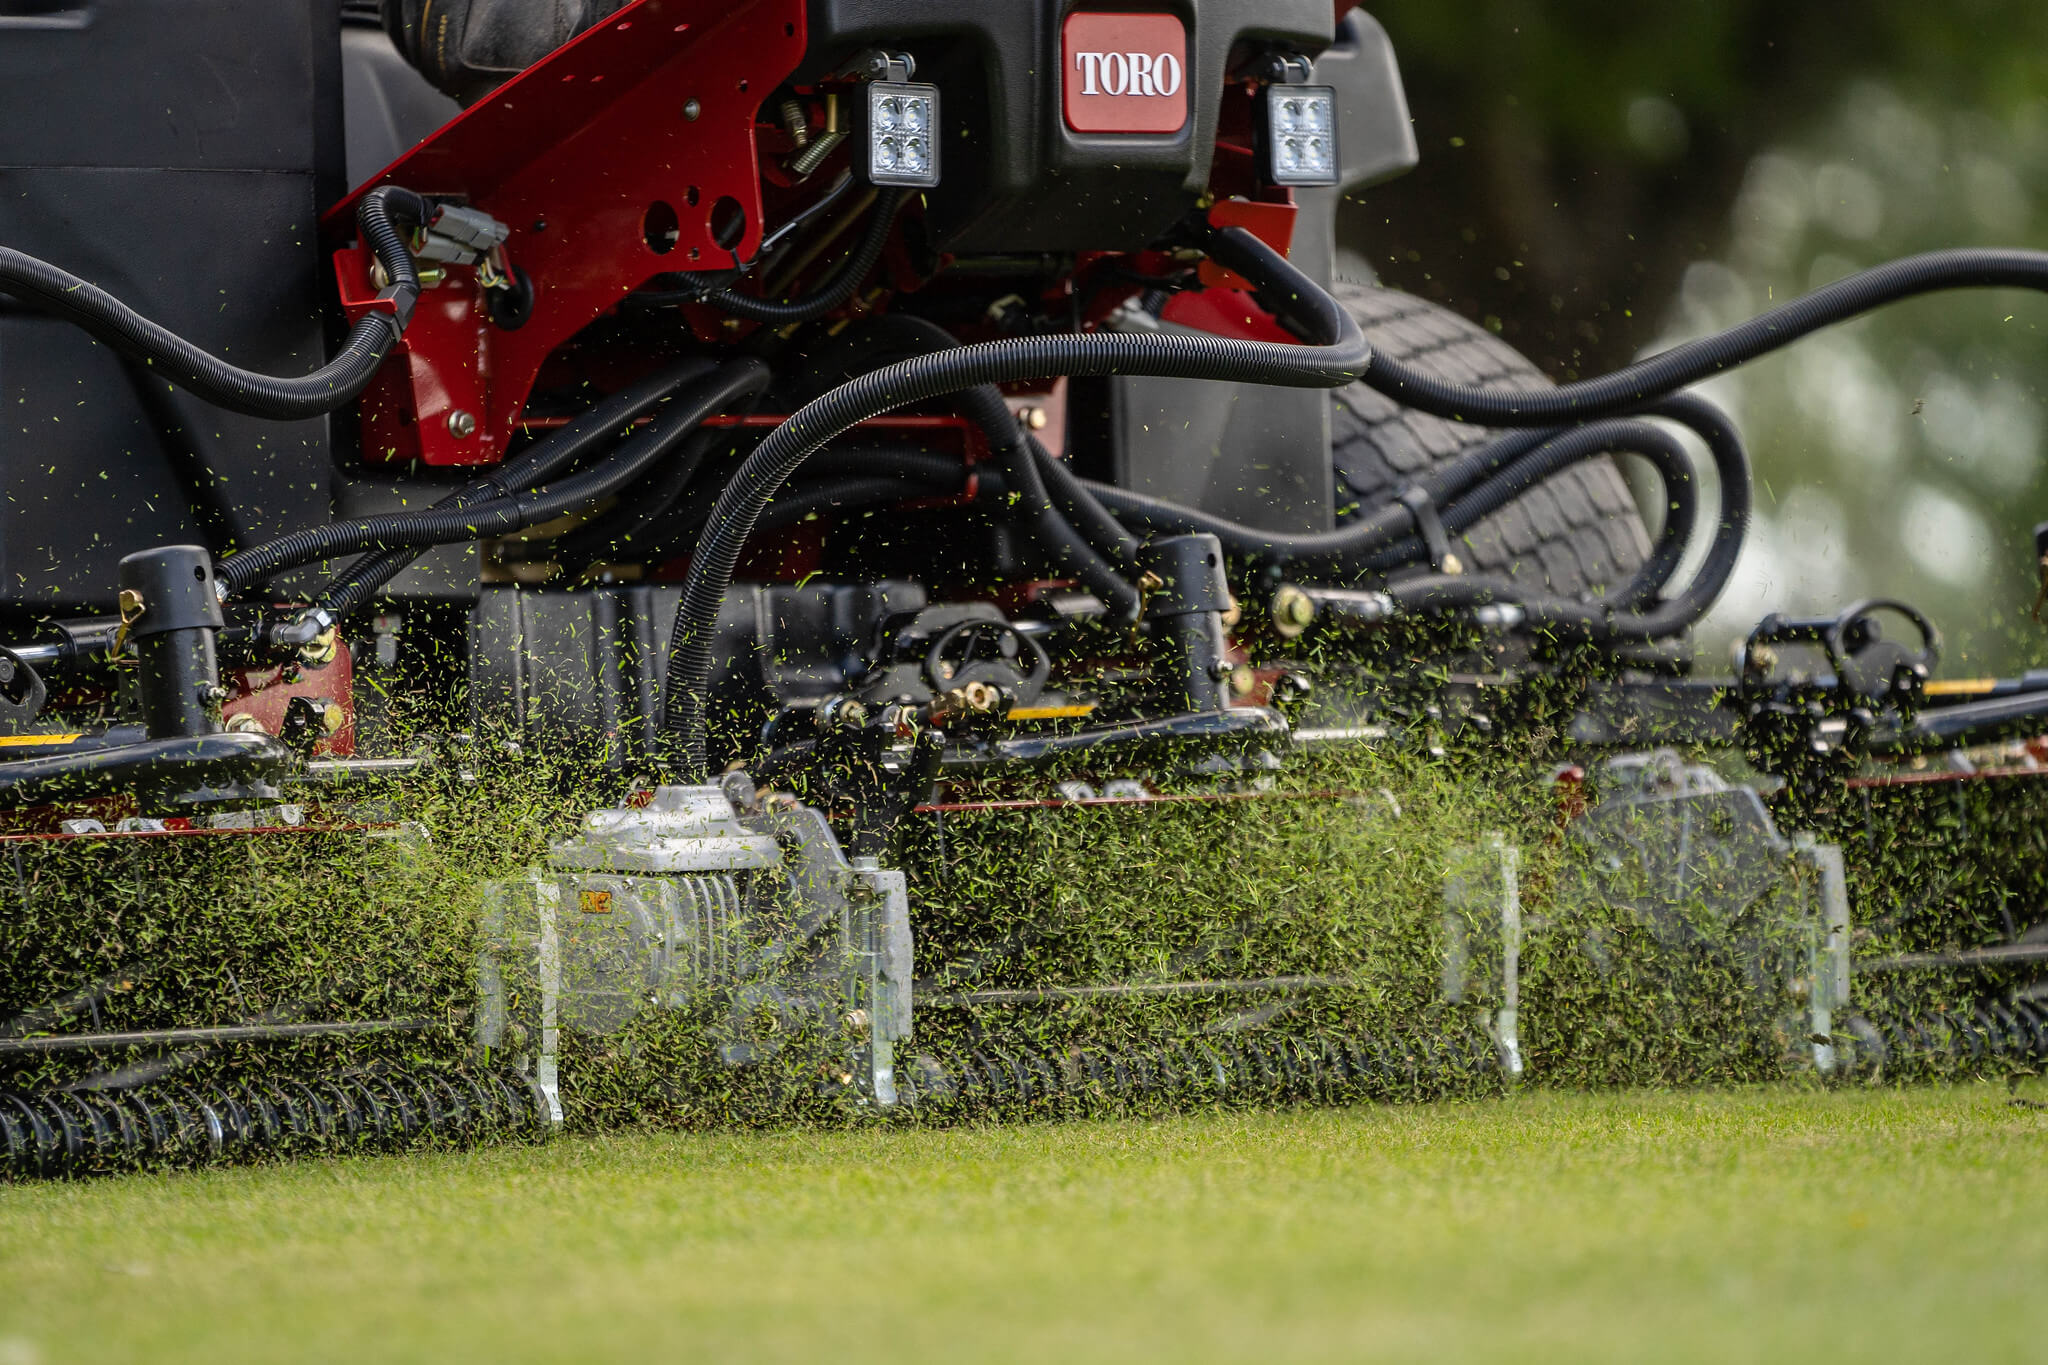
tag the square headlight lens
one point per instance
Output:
(1301, 134)
(903, 133)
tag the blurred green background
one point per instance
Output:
(1602, 179)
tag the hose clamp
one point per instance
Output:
(1422, 511)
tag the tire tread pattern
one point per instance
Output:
(1580, 533)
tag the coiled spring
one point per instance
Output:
(997, 1074)
(87, 1132)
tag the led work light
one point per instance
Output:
(903, 133)
(1300, 144)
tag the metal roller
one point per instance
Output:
(85, 1132)
(1995, 1031)
(1005, 1073)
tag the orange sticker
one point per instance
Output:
(597, 902)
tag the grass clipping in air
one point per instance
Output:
(1333, 870)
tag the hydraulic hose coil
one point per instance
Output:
(606, 420)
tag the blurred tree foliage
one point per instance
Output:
(1579, 154)
(1599, 179)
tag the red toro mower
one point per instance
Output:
(822, 418)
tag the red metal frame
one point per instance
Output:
(174, 830)
(653, 107)
(1175, 799)
(266, 694)
(1941, 779)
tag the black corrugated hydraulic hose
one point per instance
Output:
(935, 473)
(906, 473)
(836, 289)
(844, 494)
(605, 421)
(1097, 530)
(983, 405)
(1109, 536)
(1384, 537)
(1336, 354)
(1632, 389)
(1659, 449)
(1606, 622)
(625, 530)
(669, 426)
(378, 216)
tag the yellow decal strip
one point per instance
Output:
(1052, 712)
(1961, 687)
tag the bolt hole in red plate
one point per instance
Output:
(603, 163)
(1124, 73)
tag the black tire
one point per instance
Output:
(1578, 534)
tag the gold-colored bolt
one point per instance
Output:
(431, 274)
(793, 120)
(1244, 680)
(132, 607)
(1294, 611)
(319, 651)
(332, 717)
(976, 698)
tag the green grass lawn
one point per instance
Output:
(1760, 1224)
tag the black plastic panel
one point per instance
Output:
(582, 672)
(1018, 179)
(178, 157)
(1255, 454)
(390, 106)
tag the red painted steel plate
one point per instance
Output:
(610, 161)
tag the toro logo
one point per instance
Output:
(1124, 73)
